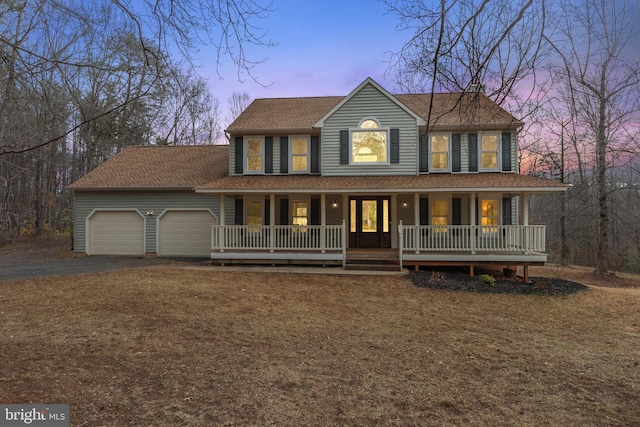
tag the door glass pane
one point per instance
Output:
(385, 216)
(354, 221)
(369, 216)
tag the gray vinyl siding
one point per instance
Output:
(369, 102)
(232, 155)
(157, 201)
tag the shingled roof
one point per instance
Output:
(448, 110)
(158, 168)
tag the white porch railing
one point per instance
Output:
(277, 238)
(472, 238)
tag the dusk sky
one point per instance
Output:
(323, 48)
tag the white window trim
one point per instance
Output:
(446, 198)
(448, 168)
(498, 167)
(489, 196)
(303, 199)
(246, 155)
(291, 155)
(251, 199)
(378, 129)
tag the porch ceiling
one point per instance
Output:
(498, 182)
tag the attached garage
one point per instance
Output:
(185, 233)
(116, 233)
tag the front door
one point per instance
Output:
(369, 222)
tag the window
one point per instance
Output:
(299, 154)
(490, 215)
(440, 215)
(369, 143)
(254, 215)
(300, 210)
(489, 152)
(440, 147)
(255, 155)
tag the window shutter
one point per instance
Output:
(268, 154)
(424, 153)
(344, 147)
(284, 211)
(506, 151)
(267, 211)
(473, 152)
(239, 214)
(395, 145)
(239, 161)
(507, 218)
(284, 154)
(456, 165)
(424, 211)
(315, 212)
(456, 211)
(315, 154)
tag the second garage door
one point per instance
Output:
(185, 233)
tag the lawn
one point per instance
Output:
(171, 347)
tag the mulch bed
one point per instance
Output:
(466, 283)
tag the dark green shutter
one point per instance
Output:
(239, 214)
(507, 218)
(473, 152)
(506, 151)
(315, 212)
(456, 211)
(344, 147)
(456, 154)
(395, 145)
(268, 154)
(424, 211)
(424, 153)
(284, 154)
(239, 161)
(315, 154)
(284, 211)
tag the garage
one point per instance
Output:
(116, 233)
(185, 233)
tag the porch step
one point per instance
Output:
(372, 261)
(372, 267)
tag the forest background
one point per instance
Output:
(80, 81)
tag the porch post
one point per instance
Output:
(222, 221)
(472, 221)
(525, 223)
(272, 221)
(323, 222)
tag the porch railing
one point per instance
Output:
(472, 238)
(278, 238)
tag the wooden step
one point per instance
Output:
(372, 267)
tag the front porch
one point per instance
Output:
(462, 245)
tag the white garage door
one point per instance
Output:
(185, 233)
(116, 233)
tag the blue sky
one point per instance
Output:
(323, 48)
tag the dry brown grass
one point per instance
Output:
(179, 348)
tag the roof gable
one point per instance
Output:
(368, 81)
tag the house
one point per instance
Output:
(424, 179)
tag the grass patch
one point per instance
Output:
(174, 347)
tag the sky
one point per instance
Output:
(322, 48)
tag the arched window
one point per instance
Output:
(369, 143)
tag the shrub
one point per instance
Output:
(488, 281)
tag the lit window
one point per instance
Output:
(440, 215)
(369, 143)
(254, 214)
(255, 153)
(489, 152)
(440, 153)
(490, 216)
(299, 154)
(300, 210)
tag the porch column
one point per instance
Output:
(221, 221)
(272, 221)
(525, 208)
(416, 209)
(472, 221)
(394, 219)
(323, 221)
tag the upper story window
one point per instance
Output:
(440, 159)
(369, 143)
(299, 147)
(254, 149)
(489, 147)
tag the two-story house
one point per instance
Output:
(427, 179)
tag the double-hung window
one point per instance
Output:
(490, 215)
(369, 143)
(440, 215)
(440, 155)
(489, 146)
(300, 214)
(254, 149)
(299, 148)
